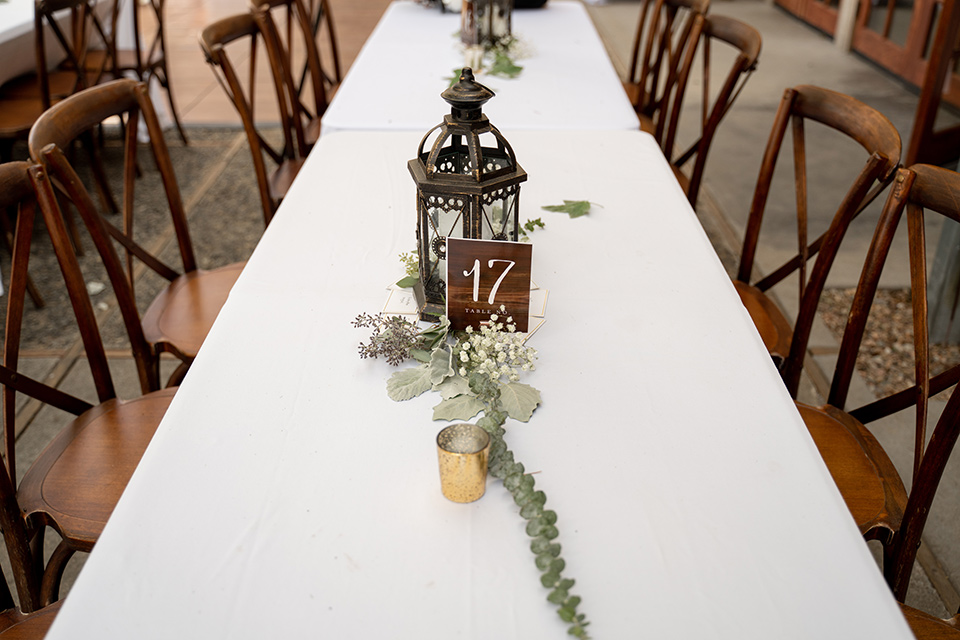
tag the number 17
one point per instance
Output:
(475, 272)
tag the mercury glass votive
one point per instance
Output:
(463, 450)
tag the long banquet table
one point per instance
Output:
(568, 81)
(284, 495)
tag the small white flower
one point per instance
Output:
(464, 357)
(463, 372)
(493, 317)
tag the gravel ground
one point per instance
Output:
(886, 355)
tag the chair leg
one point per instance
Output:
(160, 73)
(53, 574)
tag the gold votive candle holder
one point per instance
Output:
(463, 450)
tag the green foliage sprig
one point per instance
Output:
(575, 208)
(479, 373)
(410, 262)
(541, 523)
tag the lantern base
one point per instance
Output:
(429, 311)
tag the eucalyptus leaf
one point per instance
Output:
(459, 408)
(441, 365)
(557, 596)
(454, 386)
(575, 208)
(407, 281)
(539, 545)
(520, 400)
(409, 383)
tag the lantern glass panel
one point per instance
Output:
(445, 217)
(500, 215)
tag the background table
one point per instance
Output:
(284, 495)
(567, 81)
(17, 45)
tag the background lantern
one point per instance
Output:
(468, 186)
(485, 22)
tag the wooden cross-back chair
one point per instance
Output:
(326, 35)
(179, 317)
(147, 58)
(73, 485)
(75, 40)
(307, 49)
(287, 28)
(879, 139)
(863, 471)
(727, 32)
(238, 38)
(665, 30)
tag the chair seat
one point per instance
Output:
(180, 317)
(17, 115)
(867, 479)
(76, 482)
(773, 326)
(30, 626)
(282, 178)
(928, 627)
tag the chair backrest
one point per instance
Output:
(665, 30)
(326, 36)
(53, 133)
(919, 191)
(17, 193)
(859, 123)
(241, 36)
(85, 33)
(287, 29)
(746, 41)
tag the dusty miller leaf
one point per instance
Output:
(458, 408)
(519, 400)
(575, 208)
(409, 383)
(453, 386)
(441, 365)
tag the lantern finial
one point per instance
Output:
(467, 97)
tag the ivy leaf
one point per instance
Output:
(458, 408)
(409, 383)
(453, 386)
(441, 365)
(519, 400)
(407, 281)
(504, 66)
(575, 208)
(455, 78)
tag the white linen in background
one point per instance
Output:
(567, 81)
(285, 495)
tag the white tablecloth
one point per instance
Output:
(567, 81)
(284, 495)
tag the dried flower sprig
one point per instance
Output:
(393, 337)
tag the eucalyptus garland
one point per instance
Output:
(480, 373)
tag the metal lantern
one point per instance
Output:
(485, 22)
(468, 186)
